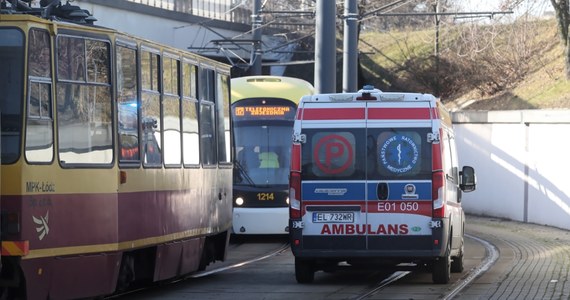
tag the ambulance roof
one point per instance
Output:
(369, 93)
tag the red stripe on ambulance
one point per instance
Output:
(396, 113)
(333, 113)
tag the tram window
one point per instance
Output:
(152, 153)
(128, 104)
(206, 84)
(39, 54)
(97, 58)
(189, 80)
(40, 100)
(190, 135)
(11, 86)
(71, 59)
(207, 133)
(172, 147)
(150, 111)
(149, 71)
(208, 147)
(83, 106)
(170, 75)
(39, 125)
(171, 113)
(223, 108)
(84, 124)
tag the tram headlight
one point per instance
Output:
(287, 200)
(239, 201)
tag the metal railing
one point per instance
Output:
(291, 15)
(224, 10)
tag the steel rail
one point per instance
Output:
(384, 283)
(492, 255)
(279, 250)
(240, 264)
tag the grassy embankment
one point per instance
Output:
(491, 67)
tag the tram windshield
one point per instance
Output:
(263, 129)
(11, 98)
(263, 152)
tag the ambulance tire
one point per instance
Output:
(457, 263)
(304, 271)
(441, 273)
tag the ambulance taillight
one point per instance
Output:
(438, 195)
(296, 157)
(438, 180)
(295, 182)
(295, 195)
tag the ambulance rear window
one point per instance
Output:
(334, 154)
(401, 153)
(366, 154)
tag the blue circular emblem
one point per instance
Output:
(399, 154)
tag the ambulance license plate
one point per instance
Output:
(333, 217)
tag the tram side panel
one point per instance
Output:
(74, 230)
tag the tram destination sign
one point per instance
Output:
(264, 112)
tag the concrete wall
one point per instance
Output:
(522, 161)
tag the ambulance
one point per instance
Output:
(375, 180)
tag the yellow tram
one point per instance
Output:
(263, 110)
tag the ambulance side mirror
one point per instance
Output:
(468, 179)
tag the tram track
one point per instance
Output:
(387, 284)
(200, 274)
(491, 257)
(383, 284)
(239, 264)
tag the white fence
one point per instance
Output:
(522, 161)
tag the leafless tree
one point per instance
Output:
(561, 8)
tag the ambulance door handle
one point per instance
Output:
(382, 191)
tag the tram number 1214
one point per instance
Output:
(265, 196)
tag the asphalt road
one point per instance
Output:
(533, 263)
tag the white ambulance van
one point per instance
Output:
(375, 180)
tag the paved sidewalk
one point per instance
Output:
(534, 261)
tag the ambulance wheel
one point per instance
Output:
(304, 271)
(457, 263)
(441, 272)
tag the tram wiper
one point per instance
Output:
(243, 174)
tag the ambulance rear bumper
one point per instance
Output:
(394, 247)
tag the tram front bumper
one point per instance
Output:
(274, 220)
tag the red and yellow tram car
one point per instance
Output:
(116, 157)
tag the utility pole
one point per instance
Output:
(325, 47)
(436, 47)
(350, 47)
(256, 56)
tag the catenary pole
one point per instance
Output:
(325, 47)
(350, 47)
(256, 36)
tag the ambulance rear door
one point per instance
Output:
(333, 182)
(398, 177)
